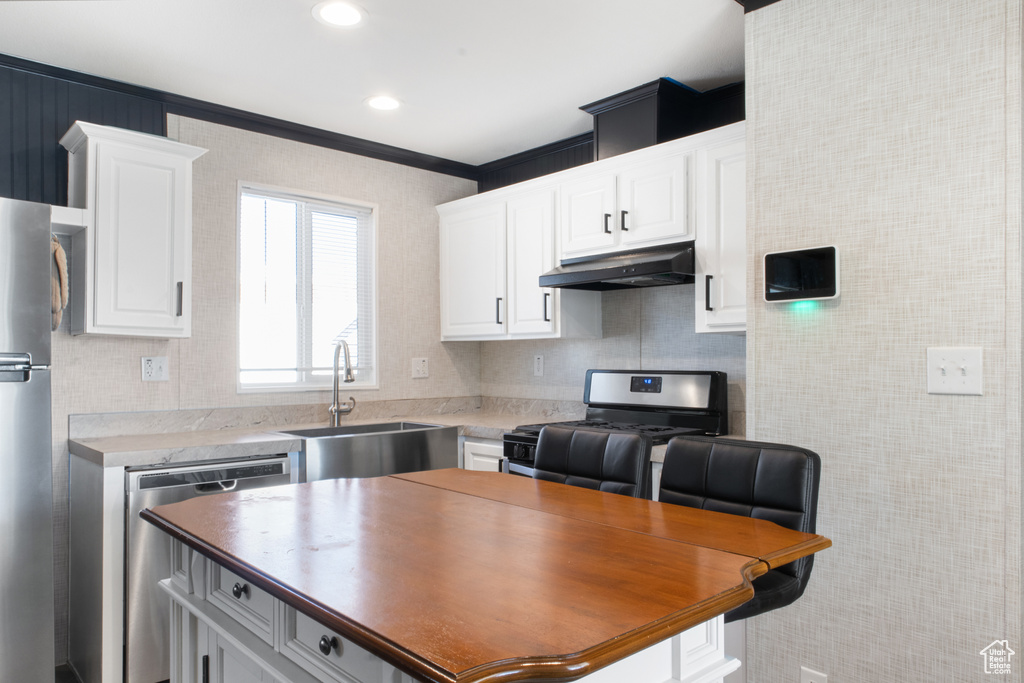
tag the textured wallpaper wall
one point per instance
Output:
(103, 374)
(892, 130)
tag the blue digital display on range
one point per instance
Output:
(646, 385)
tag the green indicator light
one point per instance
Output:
(803, 306)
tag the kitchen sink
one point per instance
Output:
(374, 450)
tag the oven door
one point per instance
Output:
(518, 450)
(515, 467)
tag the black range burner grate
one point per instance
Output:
(659, 433)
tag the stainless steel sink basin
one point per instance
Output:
(348, 430)
(374, 450)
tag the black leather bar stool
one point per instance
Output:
(617, 462)
(761, 480)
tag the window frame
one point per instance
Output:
(314, 198)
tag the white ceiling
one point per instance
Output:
(479, 79)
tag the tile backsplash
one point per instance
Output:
(649, 328)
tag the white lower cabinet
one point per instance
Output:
(248, 605)
(324, 653)
(481, 454)
(228, 664)
(218, 638)
(210, 645)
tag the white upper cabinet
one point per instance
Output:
(494, 248)
(588, 207)
(531, 252)
(134, 258)
(654, 202)
(473, 273)
(495, 245)
(630, 204)
(721, 279)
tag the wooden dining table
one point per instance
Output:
(460, 576)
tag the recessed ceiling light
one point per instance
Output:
(383, 102)
(334, 13)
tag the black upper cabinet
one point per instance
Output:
(660, 111)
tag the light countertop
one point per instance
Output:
(244, 442)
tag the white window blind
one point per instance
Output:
(306, 281)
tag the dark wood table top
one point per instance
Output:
(461, 576)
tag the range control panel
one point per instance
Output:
(646, 385)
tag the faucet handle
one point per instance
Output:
(343, 408)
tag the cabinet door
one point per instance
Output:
(483, 455)
(721, 289)
(654, 202)
(228, 664)
(587, 215)
(473, 304)
(531, 253)
(143, 241)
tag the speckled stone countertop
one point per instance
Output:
(243, 442)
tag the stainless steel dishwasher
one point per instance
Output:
(147, 553)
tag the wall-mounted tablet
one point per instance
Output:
(801, 275)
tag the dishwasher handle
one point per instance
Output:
(215, 487)
(207, 479)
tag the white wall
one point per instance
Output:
(892, 130)
(103, 374)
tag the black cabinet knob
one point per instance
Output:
(328, 643)
(240, 589)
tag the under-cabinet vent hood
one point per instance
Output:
(672, 264)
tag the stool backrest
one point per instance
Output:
(617, 462)
(762, 480)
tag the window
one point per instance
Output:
(306, 281)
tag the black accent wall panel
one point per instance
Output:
(751, 5)
(537, 162)
(35, 112)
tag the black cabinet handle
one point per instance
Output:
(547, 319)
(707, 293)
(327, 644)
(206, 668)
(181, 298)
(240, 589)
(497, 310)
(607, 217)
(623, 221)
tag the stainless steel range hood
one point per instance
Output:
(671, 264)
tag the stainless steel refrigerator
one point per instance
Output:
(26, 492)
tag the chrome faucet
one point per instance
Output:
(338, 409)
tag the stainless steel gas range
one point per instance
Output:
(661, 404)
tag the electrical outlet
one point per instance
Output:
(538, 366)
(419, 368)
(154, 369)
(955, 370)
(812, 676)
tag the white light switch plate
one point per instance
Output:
(420, 369)
(538, 366)
(812, 676)
(955, 370)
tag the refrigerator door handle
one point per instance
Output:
(15, 367)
